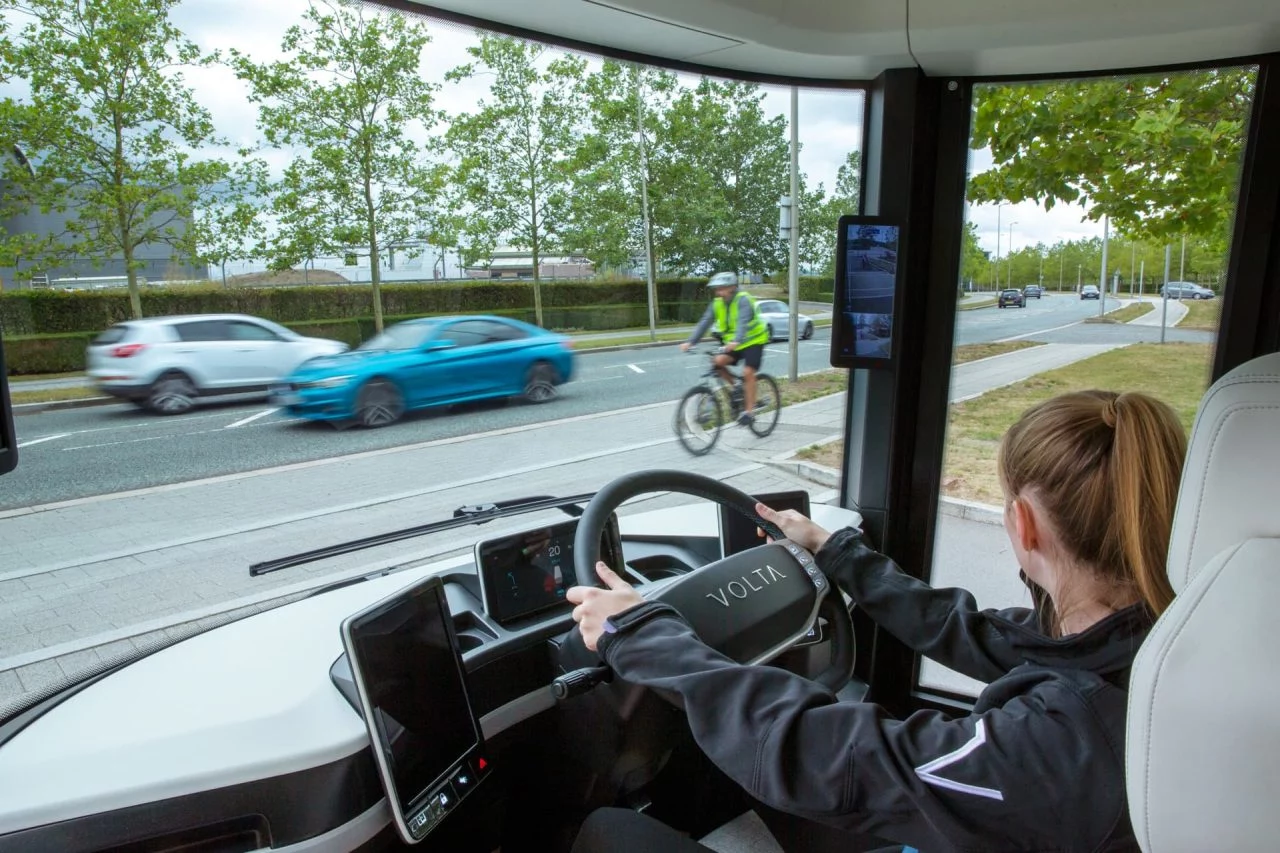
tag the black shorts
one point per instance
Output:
(751, 356)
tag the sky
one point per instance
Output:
(830, 121)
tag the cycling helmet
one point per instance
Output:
(722, 279)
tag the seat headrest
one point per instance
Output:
(1231, 479)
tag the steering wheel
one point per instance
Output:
(751, 606)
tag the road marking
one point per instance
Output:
(636, 369)
(1038, 332)
(251, 418)
(22, 444)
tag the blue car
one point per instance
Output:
(435, 361)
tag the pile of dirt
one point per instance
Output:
(286, 277)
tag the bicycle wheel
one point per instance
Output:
(768, 405)
(699, 417)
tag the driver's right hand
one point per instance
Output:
(797, 527)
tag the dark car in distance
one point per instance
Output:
(1032, 291)
(1090, 291)
(1010, 297)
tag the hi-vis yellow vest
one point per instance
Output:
(727, 319)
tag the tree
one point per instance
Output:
(350, 92)
(229, 226)
(516, 152)
(819, 215)
(108, 128)
(612, 164)
(1160, 154)
(975, 263)
(719, 172)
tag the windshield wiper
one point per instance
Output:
(462, 516)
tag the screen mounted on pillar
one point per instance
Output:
(867, 292)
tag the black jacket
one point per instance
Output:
(1037, 766)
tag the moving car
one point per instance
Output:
(777, 316)
(433, 361)
(1090, 291)
(1032, 291)
(165, 363)
(1186, 290)
(1010, 297)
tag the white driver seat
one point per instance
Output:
(1203, 741)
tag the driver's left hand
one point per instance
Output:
(596, 605)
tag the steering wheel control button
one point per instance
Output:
(462, 782)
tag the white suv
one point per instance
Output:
(165, 363)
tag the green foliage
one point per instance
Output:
(1160, 154)
(819, 214)
(718, 172)
(108, 130)
(516, 150)
(350, 92)
(46, 354)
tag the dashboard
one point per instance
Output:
(249, 731)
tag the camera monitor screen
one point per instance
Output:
(866, 292)
(409, 676)
(8, 437)
(530, 572)
(739, 533)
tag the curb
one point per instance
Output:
(79, 403)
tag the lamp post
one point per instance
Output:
(1009, 256)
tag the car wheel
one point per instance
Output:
(540, 383)
(808, 331)
(379, 403)
(172, 394)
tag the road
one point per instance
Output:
(73, 453)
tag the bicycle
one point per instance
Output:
(701, 412)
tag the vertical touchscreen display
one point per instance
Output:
(739, 533)
(865, 293)
(409, 674)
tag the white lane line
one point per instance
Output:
(22, 444)
(1038, 332)
(251, 418)
(636, 369)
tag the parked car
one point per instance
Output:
(1090, 291)
(434, 361)
(1032, 291)
(777, 316)
(165, 363)
(1010, 297)
(1186, 290)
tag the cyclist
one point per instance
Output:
(745, 334)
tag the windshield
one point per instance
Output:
(153, 475)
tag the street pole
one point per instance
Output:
(1133, 254)
(1164, 309)
(1009, 257)
(998, 231)
(1142, 277)
(794, 271)
(1102, 277)
(1182, 264)
(1078, 279)
(1062, 260)
(650, 281)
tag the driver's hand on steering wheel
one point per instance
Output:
(596, 605)
(798, 528)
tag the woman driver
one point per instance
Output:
(1090, 482)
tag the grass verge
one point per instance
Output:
(1202, 316)
(974, 352)
(51, 395)
(1125, 314)
(977, 303)
(1176, 373)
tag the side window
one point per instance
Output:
(242, 331)
(202, 330)
(501, 331)
(464, 334)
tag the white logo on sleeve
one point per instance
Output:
(928, 772)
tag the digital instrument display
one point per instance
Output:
(867, 284)
(739, 533)
(530, 572)
(409, 675)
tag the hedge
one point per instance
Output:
(48, 312)
(46, 353)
